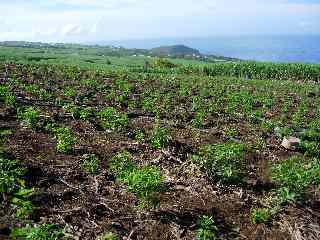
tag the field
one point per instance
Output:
(181, 149)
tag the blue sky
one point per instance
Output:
(106, 20)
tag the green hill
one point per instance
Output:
(175, 50)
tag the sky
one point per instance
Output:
(106, 20)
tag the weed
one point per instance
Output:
(4, 133)
(90, 163)
(206, 229)
(143, 182)
(223, 162)
(112, 119)
(70, 92)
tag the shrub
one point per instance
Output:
(206, 229)
(224, 162)
(260, 215)
(41, 232)
(66, 140)
(111, 119)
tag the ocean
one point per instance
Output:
(304, 49)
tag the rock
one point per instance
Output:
(291, 143)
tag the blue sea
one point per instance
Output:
(304, 49)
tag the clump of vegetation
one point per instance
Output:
(66, 140)
(7, 96)
(139, 135)
(108, 236)
(4, 133)
(162, 63)
(90, 163)
(310, 149)
(10, 174)
(159, 137)
(21, 202)
(86, 113)
(112, 119)
(29, 116)
(143, 182)
(207, 230)
(199, 119)
(223, 162)
(41, 232)
(294, 175)
(260, 215)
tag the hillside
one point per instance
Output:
(175, 50)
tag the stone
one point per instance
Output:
(291, 143)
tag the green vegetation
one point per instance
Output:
(6, 96)
(223, 162)
(108, 236)
(90, 163)
(29, 116)
(143, 182)
(159, 137)
(41, 232)
(112, 119)
(200, 135)
(65, 138)
(295, 175)
(256, 70)
(260, 215)
(10, 173)
(206, 229)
